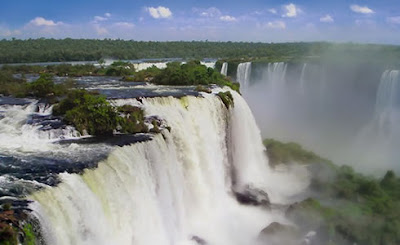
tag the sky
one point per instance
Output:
(363, 21)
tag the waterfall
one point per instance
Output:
(302, 80)
(174, 189)
(224, 69)
(276, 74)
(388, 102)
(388, 91)
(243, 74)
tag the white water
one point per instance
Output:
(144, 66)
(243, 74)
(224, 69)
(276, 73)
(388, 101)
(174, 187)
(16, 135)
(302, 89)
(163, 65)
(384, 128)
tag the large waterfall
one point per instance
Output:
(243, 74)
(335, 109)
(177, 188)
(388, 101)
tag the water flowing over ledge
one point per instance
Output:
(175, 189)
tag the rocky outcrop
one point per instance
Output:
(198, 240)
(252, 196)
(280, 234)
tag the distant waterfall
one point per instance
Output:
(388, 101)
(276, 74)
(171, 190)
(388, 92)
(243, 74)
(224, 69)
(302, 89)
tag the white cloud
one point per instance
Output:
(160, 12)
(276, 24)
(124, 25)
(272, 11)
(210, 12)
(393, 20)
(290, 10)
(327, 19)
(105, 17)
(361, 9)
(227, 18)
(99, 18)
(40, 21)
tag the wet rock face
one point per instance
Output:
(252, 196)
(199, 240)
(280, 234)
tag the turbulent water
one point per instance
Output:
(346, 112)
(176, 188)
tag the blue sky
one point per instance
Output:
(252, 20)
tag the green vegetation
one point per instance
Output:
(11, 86)
(93, 114)
(132, 120)
(47, 50)
(201, 88)
(155, 128)
(13, 223)
(279, 152)
(118, 68)
(30, 238)
(146, 75)
(347, 207)
(226, 98)
(191, 73)
(88, 112)
(43, 87)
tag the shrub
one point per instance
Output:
(226, 98)
(132, 120)
(88, 112)
(11, 86)
(279, 152)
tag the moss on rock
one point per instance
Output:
(226, 98)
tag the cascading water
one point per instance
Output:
(276, 74)
(243, 74)
(176, 188)
(302, 87)
(16, 135)
(224, 69)
(388, 102)
(336, 109)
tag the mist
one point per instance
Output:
(344, 106)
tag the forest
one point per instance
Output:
(62, 50)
